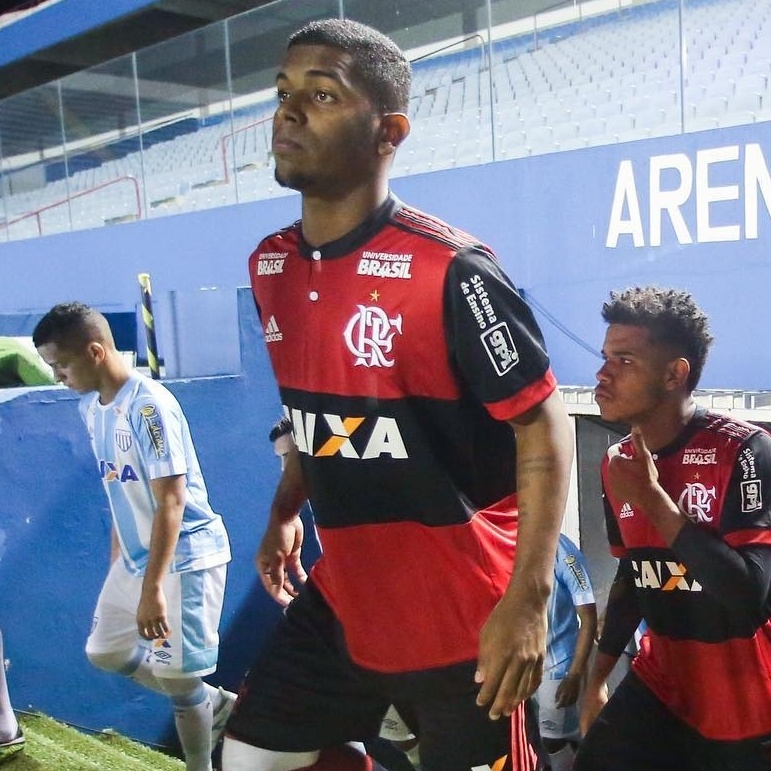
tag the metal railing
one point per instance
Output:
(65, 201)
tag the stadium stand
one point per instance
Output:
(610, 78)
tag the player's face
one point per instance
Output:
(282, 446)
(631, 384)
(325, 130)
(75, 369)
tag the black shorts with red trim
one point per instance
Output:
(636, 732)
(305, 693)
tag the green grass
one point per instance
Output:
(53, 746)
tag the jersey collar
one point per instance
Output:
(356, 237)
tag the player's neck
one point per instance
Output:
(327, 219)
(667, 423)
(113, 378)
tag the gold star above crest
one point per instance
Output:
(697, 476)
(374, 296)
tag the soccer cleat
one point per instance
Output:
(220, 717)
(12, 746)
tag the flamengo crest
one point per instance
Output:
(369, 336)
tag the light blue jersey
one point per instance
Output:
(143, 435)
(572, 588)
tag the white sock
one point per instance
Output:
(8, 723)
(193, 719)
(562, 760)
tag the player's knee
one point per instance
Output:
(119, 662)
(183, 691)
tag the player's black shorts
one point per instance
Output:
(304, 693)
(636, 732)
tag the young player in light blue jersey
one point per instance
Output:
(157, 615)
(572, 628)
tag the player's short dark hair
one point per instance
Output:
(72, 325)
(379, 64)
(281, 427)
(672, 318)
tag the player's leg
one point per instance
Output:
(395, 730)
(113, 644)
(10, 732)
(457, 735)
(635, 732)
(302, 694)
(557, 726)
(194, 607)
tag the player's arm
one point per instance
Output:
(170, 496)
(114, 545)
(734, 566)
(622, 617)
(570, 687)
(513, 640)
(278, 558)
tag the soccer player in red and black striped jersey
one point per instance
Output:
(688, 509)
(429, 438)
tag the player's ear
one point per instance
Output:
(394, 129)
(678, 372)
(96, 351)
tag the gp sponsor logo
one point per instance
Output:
(697, 456)
(112, 472)
(575, 568)
(479, 301)
(696, 502)
(358, 438)
(272, 332)
(384, 265)
(499, 345)
(752, 497)
(747, 463)
(154, 427)
(626, 511)
(369, 336)
(668, 576)
(270, 263)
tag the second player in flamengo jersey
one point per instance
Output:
(690, 521)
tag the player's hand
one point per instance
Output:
(512, 645)
(152, 618)
(278, 559)
(634, 477)
(593, 700)
(568, 691)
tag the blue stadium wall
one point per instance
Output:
(690, 211)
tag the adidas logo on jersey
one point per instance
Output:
(626, 511)
(272, 332)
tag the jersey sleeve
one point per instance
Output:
(158, 426)
(615, 541)
(493, 338)
(746, 516)
(573, 572)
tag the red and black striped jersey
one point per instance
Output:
(400, 351)
(704, 656)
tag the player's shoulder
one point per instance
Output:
(281, 240)
(147, 392)
(428, 226)
(728, 426)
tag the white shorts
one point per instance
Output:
(555, 722)
(194, 607)
(394, 728)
